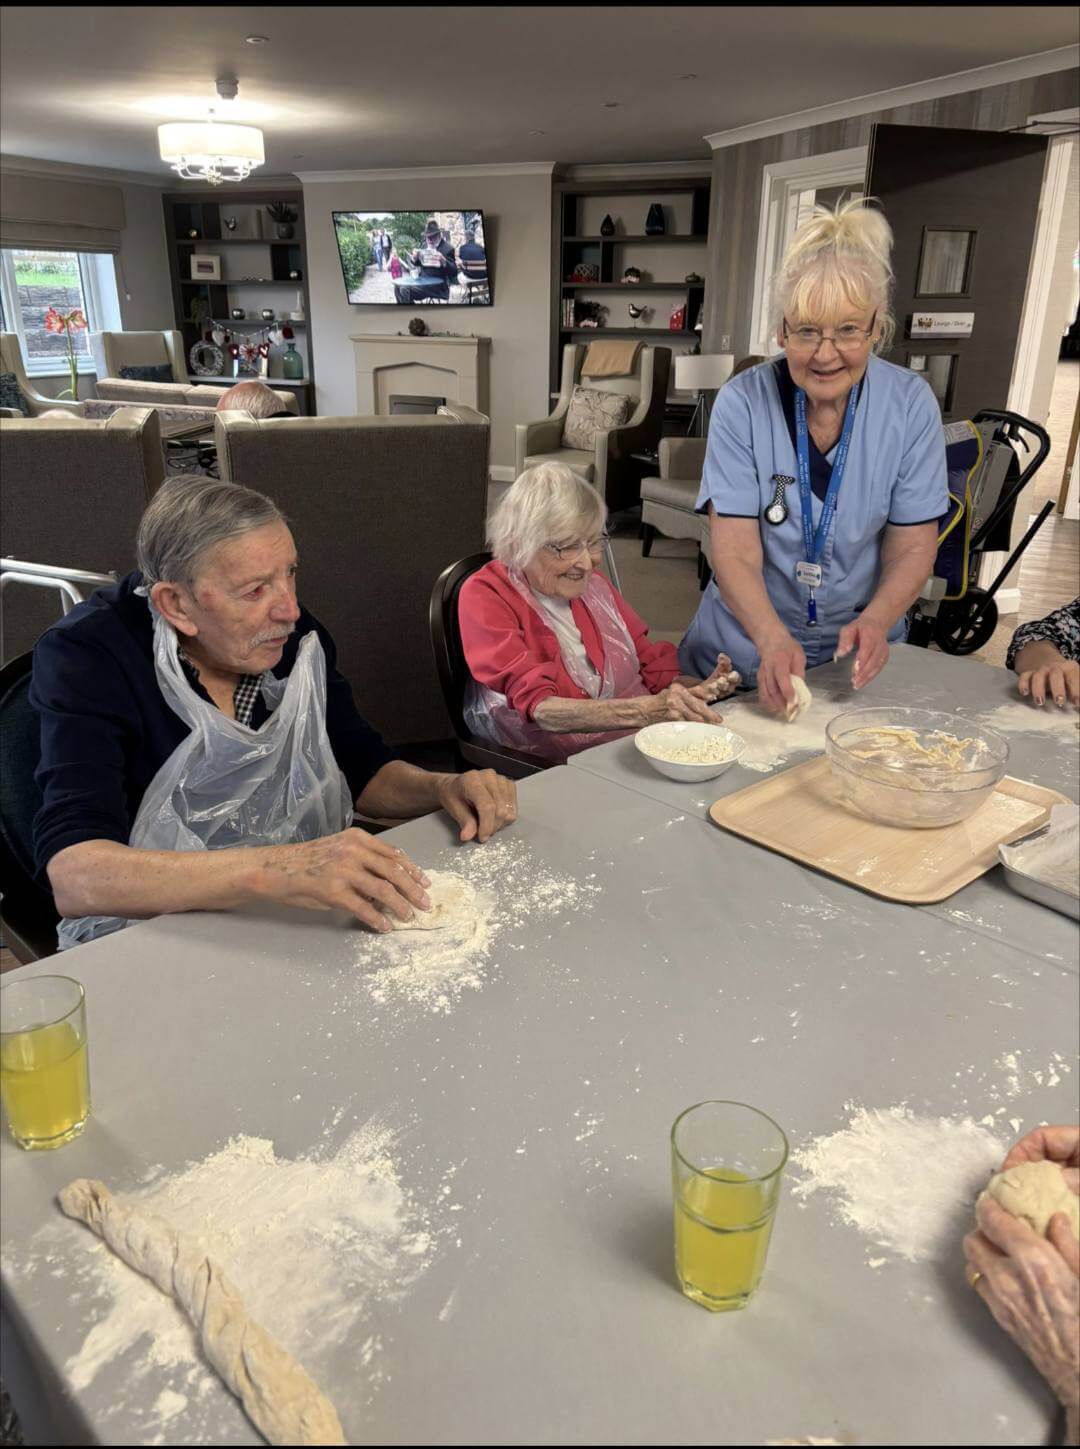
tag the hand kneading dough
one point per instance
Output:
(801, 703)
(453, 905)
(278, 1397)
(1035, 1191)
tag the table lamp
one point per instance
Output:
(702, 372)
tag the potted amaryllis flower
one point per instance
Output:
(67, 323)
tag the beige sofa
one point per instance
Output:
(72, 492)
(379, 507)
(610, 466)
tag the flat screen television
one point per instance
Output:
(404, 258)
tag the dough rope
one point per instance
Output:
(800, 701)
(279, 1398)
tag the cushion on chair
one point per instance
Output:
(11, 395)
(675, 492)
(592, 412)
(148, 372)
(582, 463)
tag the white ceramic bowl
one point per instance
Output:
(677, 734)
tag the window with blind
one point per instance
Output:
(33, 280)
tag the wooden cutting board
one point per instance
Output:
(798, 813)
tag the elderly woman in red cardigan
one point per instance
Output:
(559, 660)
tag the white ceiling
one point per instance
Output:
(351, 87)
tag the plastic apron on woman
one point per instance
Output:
(491, 716)
(895, 474)
(227, 785)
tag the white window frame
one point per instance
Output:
(97, 275)
(784, 185)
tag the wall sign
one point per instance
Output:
(941, 324)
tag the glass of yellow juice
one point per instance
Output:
(727, 1160)
(44, 1071)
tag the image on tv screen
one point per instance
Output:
(403, 258)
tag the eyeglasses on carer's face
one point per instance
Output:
(847, 338)
(594, 547)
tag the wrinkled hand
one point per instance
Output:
(869, 640)
(1060, 682)
(680, 702)
(1032, 1287)
(778, 663)
(480, 801)
(1050, 1144)
(351, 871)
(724, 680)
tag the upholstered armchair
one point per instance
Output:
(609, 466)
(668, 501)
(113, 351)
(11, 364)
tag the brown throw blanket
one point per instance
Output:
(610, 359)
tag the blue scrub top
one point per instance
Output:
(895, 474)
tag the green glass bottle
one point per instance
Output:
(292, 364)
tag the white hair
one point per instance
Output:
(836, 263)
(547, 504)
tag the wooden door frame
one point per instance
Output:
(780, 184)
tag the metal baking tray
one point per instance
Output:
(1067, 902)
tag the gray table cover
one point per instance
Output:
(694, 973)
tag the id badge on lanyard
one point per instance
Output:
(808, 570)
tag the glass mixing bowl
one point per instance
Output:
(914, 768)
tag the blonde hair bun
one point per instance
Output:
(836, 260)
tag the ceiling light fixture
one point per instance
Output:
(212, 151)
(257, 39)
(611, 105)
(536, 133)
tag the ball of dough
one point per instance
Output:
(1035, 1191)
(453, 905)
(802, 701)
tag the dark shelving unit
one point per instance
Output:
(571, 246)
(202, 212)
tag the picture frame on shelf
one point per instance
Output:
(205, 267)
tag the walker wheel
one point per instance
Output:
(966, 624)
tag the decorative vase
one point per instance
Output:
(285, 231)
(607, 227)
(237, 314)
(292, 364)
(654, 222)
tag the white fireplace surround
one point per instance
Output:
(451, 367)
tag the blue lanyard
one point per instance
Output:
(814, 543)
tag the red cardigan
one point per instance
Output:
(512, 650)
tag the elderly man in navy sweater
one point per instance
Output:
(212, 616)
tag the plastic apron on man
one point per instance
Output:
(894, 474)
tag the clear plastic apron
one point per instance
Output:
(491, 716)
(225, 784)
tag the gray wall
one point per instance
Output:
(517, 222)
(738, 173)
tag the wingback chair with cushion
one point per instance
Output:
(379, 506)
(146, 357)
(609, 465)
(71, 494)
(668, 502)
(17, 392)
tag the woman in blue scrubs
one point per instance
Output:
(824, 475)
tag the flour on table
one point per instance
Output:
(906, 1182)
(771, 740)
(510, 885)
(314, 1245)
(1017, 716)
(453, 906)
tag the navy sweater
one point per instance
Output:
(106, 729)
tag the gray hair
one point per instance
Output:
(190, 514)
(253, 397)
(546, 504)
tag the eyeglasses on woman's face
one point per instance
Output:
(850, 337)
(594, 547)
